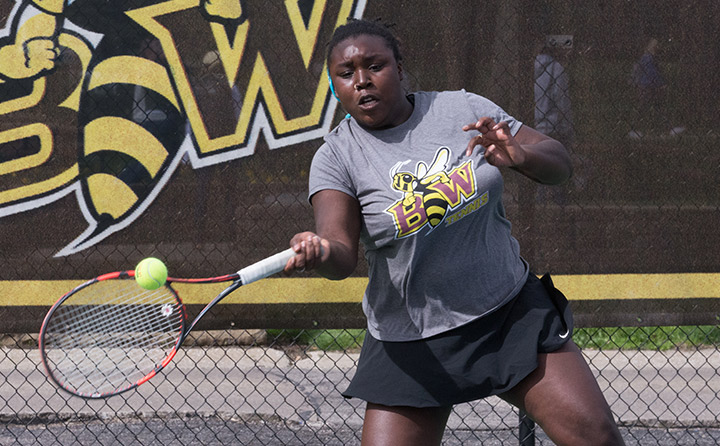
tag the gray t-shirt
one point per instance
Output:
(437, 242)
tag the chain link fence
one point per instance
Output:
(270, 387)
(166, 140)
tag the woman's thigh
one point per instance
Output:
(399, 426)
(564, 398)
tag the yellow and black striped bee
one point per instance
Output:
(127, 150)
(411, 185)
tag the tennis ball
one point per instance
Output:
(151, 273)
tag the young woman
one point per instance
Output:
(454, 313)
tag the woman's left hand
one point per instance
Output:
(501, 148)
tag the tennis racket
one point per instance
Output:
(110, 335)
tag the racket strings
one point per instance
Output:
(106, 346)
(107, 336)
(118, 353)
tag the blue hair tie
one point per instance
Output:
(332, 89)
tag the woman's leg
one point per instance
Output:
(563, 397)
(400, 426)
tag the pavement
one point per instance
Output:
(262, 396)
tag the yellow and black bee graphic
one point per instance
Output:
(106, 103)
(132, 129)
(421, 184)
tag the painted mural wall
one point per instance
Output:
(185, 128)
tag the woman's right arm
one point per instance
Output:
(332, 250)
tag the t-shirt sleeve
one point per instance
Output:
(485, 107)
(328, 172)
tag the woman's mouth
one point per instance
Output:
(367, 102)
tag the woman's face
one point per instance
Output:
(367, 80)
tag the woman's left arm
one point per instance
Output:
(535, 155)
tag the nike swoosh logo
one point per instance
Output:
(563, 336)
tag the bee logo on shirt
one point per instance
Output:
(415, 185)
(429, 192)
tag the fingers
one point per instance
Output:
(309, 249)
(224, 9)
(493, 155)
(40, 54)
(481, 126)
(474, 141)
(491, 132)
(493, 136)
(487, 127)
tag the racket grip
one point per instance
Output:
(266, 267)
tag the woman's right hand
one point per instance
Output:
(310, 249)
(332, 251)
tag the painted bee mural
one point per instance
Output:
(104, 103)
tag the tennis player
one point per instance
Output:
(454, 312)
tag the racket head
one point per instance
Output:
(110, 335)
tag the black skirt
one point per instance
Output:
(485, 357)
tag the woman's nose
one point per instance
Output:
(362, 80)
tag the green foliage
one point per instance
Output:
(605, 338)
(647, 338)
(326, 340)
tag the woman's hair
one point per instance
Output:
(355, 27)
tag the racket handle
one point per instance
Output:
(266, 267)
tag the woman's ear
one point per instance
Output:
(400, 71)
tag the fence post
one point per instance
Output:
(527, 430)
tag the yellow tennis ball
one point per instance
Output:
(151, 273)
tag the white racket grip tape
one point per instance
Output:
(266, 267)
